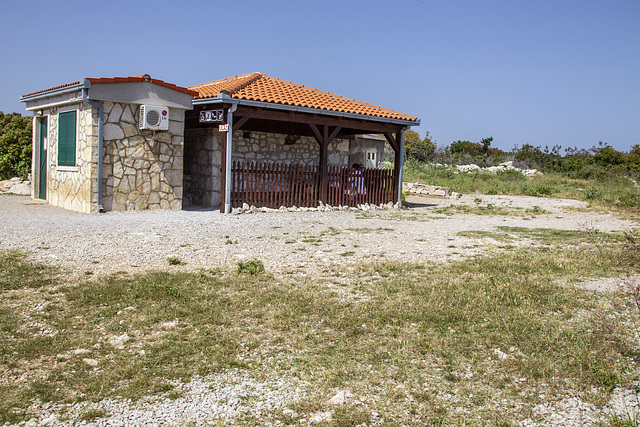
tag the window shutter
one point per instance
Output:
(67, 138)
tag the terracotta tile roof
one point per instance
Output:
(52, 88)
(260, 87)
(138, 78)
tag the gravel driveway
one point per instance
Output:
(291, 242)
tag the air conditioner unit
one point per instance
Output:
(154, 117)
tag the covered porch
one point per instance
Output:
(240, 112)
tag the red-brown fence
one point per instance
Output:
(350, 187)
(274, 185)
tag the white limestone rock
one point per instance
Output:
(341, 397)
(321, 417)
(22, 189)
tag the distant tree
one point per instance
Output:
(411, 137)
(634, 155)
(605, 155)
(15, 145)
(473, 149)
(417, 148)
(486, 142)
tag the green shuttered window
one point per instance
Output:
(67, 138)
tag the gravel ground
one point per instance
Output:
(301, 243)
(305, 242)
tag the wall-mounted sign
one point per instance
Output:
(207, 116)
(223, 128)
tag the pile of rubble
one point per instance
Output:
(502, 167)
(429, 190)
(16, 186)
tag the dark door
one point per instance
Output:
(42, 158)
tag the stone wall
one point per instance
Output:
(203, 166)
(143, 169)
(71, 187)
(362, 144)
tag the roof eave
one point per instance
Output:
(49, 93)
(228, 100)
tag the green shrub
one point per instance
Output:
(592, 193)
(511, 175)
(251, 267)
(15, 145)
(539, 189)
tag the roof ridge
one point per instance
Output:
(226, 79)
(254, 78)
(336, 95)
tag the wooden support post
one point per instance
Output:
(324, 167)
(324, 139)
(395, 141)
(223, 169)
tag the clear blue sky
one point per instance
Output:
(523, 71)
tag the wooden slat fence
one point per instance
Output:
(350, 187)
(276, 184)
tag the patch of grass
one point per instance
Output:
(18, 273)
(251, 267)
(620, 421)
(480, 234)
(174, 261)
(490, 209)
(93, 414)
(311, 239)
(378, 230)
(536, 210)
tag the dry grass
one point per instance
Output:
(474, 342)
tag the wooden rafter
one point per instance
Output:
(241, 121)
(392, 140)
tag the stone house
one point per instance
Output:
(94, 150)
(89, 153)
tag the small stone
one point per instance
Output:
(118, 342)
(170, 325)
(90, 362)
(341, 397)
(21, 189)
(49, 421)
(321, 417)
